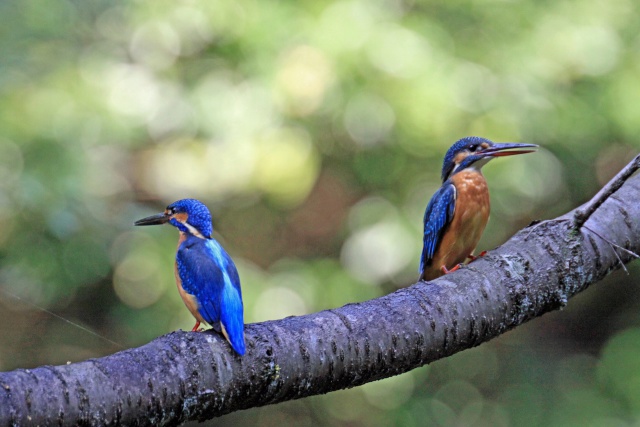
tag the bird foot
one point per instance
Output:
(473, 257)
(197, 328)
(445, 270)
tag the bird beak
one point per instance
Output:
(157, 219)
(507, 149)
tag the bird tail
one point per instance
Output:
(232, 321)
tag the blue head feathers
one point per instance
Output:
(187, 215)
(191, 216)
(475, 152)
(469, 145)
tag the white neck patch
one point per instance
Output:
(192, 229)
(476, 166)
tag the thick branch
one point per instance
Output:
(195, 376)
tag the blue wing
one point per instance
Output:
(438, 215)
(208, 273)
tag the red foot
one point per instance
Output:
(473, 257)
(445, 270)
(195, 328)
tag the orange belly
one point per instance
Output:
(463, 233)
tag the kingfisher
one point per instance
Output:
(458, 212)
(206, 276)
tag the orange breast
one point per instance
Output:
(469, 220)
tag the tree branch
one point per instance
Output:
(195, 376)
(582, 214)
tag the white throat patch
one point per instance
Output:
(477, 165)
(192, 229)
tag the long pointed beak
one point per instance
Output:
(507, 149)
(157, 219)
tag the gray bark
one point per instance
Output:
(196, 376)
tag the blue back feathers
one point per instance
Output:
(208, 273)
(438, 214)
(207, 277)
(198, 216)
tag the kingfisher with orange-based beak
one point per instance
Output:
(459, 211)
(207, 278)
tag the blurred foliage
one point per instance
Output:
(314, 130)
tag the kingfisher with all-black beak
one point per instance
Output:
(458, 212)
(207, 278)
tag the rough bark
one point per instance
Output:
(195, 376)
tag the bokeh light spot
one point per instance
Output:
(399, 52)
(155, 44)
(368, 119)
(304, 76)
(619, 367)
(137, 281)
(346, 25)
(11, 163)
(288, 165)
(133, 91)
(390, 393)
(374, 254)
(278, 302)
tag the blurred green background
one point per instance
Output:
(314, 130)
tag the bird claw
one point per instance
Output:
(445, 270)
(473, 257)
